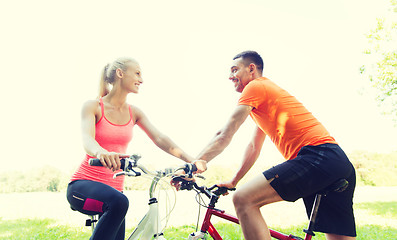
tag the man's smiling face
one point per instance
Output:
(239, 74)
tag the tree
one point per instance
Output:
(381, 70)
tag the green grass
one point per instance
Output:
(31, 229)
(233, 232)
(44, 229)
(384, 209)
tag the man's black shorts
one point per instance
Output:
(315, 168)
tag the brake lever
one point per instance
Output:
(119, 174)
(199, 176)
(130, 173)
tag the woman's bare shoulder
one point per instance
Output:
(91, 105)
(136, 112)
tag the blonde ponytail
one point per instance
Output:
(108, 74)
(103, 83)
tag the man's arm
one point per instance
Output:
(224, 136)
(251, 155)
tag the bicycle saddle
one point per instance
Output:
(338, 186)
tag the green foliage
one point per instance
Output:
(375, 169)
(218, 173)
(39, 180)
(137, 183)
(382, 71)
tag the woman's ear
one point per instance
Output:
(119, 73)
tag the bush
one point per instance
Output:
(375, 169)
(39, 180)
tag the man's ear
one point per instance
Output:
(252, 67)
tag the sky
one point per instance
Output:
(52, 53)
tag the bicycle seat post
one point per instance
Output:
(313, 214)
(92, 221)
(338, 186)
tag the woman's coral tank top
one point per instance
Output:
(113, 138)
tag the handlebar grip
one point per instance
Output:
(189, 169)
(194, 168)
(96, 162)
(223, 190)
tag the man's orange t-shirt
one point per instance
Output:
(282, 117)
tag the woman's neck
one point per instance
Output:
(116, 99)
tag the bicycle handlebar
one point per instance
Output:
(127, 165)
(97, 163)
(189, 185)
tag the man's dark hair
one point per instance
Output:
(251, 57)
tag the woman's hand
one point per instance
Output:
(110, 160)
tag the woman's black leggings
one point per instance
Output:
(91, 198)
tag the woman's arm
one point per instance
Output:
(88, 120)
(161, 140)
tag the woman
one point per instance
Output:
(107, 125)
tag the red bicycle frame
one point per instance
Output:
(207, 226)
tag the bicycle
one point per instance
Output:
(214, 192)
(149, 226)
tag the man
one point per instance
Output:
(314, 159)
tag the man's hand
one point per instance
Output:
(227, 184)
(201, 166)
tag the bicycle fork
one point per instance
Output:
(205, 228)
(208, 228)
(150, 226)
